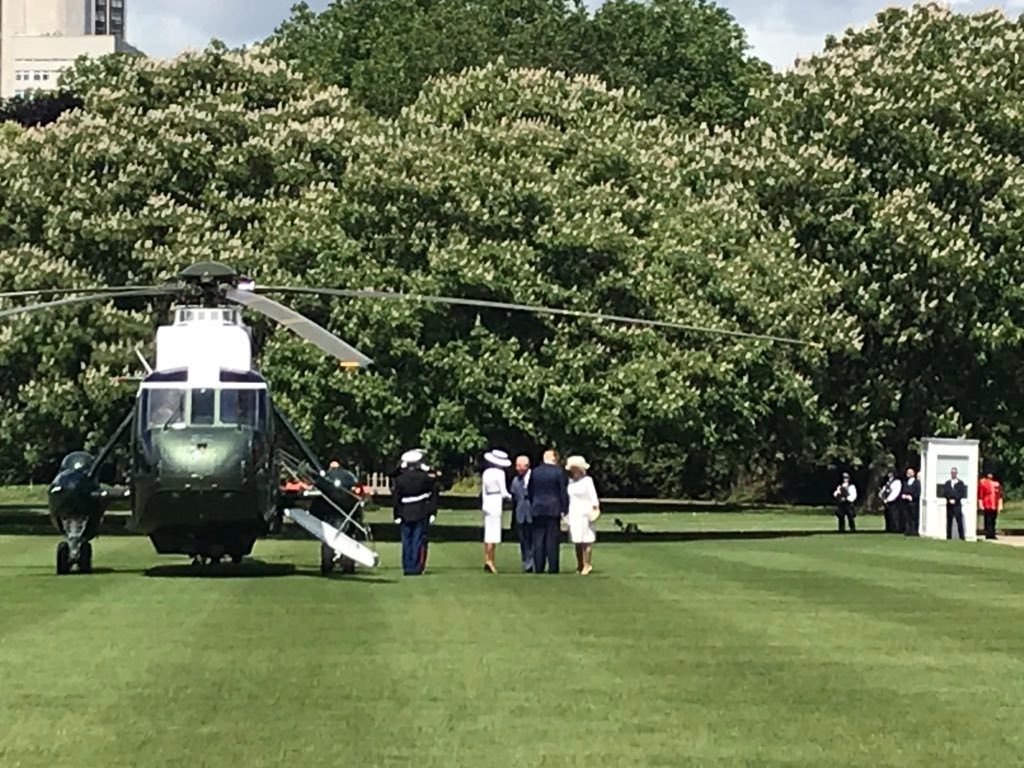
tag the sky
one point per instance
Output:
(778, 31)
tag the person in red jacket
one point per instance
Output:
(990, 499)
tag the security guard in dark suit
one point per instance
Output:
(910, 496)
(954, 491)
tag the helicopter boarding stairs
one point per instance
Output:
(337, 540)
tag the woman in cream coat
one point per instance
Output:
(584, 508)
(493, 493)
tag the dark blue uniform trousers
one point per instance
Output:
(414, 547)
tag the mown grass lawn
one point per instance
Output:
(862, 650)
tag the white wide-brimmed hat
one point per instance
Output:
(576, 462)
(498, 458)
(414, 456)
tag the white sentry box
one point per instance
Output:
(938, 456)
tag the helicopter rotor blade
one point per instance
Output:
(300, 325)
(72, 291)
(535, 309)
(134, 293)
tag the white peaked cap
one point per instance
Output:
(414, 456)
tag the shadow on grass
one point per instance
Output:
(252, 569)
(248, 569)
(34, 524)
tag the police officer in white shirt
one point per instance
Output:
(845, 495)
(890, 495)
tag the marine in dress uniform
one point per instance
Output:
(990, 501)
(415, 508)
(954, 491)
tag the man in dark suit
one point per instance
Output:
(954, 491)
(522, 513)
(548, 493)
(910, 496)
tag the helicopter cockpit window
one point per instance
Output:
(202, 406)
(238, 406)
(166, 407)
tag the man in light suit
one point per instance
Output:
(548, 492)
(954, 491)
(522, 513)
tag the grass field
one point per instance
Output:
(862, 650)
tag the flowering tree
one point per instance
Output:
(688, 58)
(899, 169)
(509, 184)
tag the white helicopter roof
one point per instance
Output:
(204, 340)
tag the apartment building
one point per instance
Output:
(41, 38)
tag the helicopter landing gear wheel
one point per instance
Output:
(63, 558)
(326, 560)
(348, 566)
(236, 558)
(85, 558)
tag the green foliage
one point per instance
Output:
(36, 109)
(687, 57)
(500, 183)
(872, 203)
(383, 51)
(899, 167)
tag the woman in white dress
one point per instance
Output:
(584, 509)
(493, 493)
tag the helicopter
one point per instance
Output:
(206, 438)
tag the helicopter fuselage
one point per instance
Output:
(203, 489)
(204, 477)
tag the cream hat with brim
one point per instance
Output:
(576, 462)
